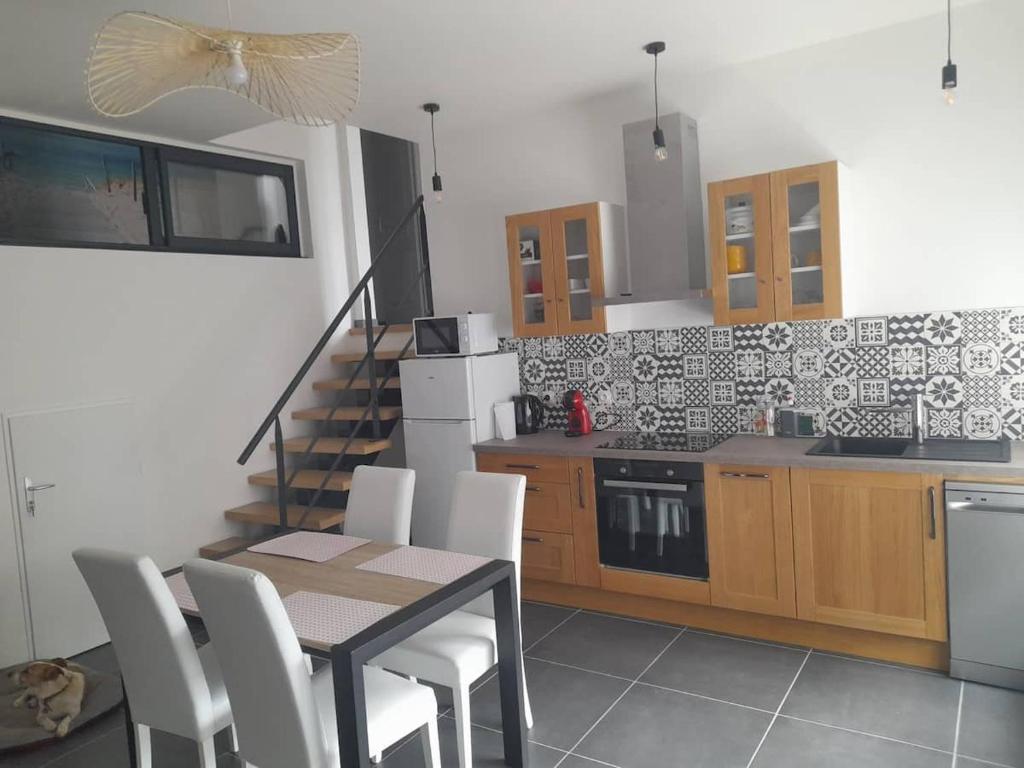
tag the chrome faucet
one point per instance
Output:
(917, 418)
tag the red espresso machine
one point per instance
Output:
(577, 414)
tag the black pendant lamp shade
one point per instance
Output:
(949, 69)
(660, 150)
(433, 109)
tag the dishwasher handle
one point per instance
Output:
(986, 506)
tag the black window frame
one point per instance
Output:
(155, 157)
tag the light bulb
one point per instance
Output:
(660, 150)
(661, 153)
(950, 95)
(439, 196)
(438, 189)
(235, 72)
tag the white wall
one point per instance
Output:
(203, 343)
(935, 192)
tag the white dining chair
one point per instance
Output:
(380, 504)
(170, 685)
(486, 518)
(285, 717)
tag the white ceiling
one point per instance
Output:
(481, 59)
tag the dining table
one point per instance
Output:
(441, 583)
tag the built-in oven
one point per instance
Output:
(651, 516)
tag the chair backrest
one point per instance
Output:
(380, 504)
(162, 673)
(268, 684)
(486, 518)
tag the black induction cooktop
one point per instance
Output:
(687, 442)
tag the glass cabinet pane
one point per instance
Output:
(530, 261)
(577, 261)
(740, 255)
(804, 202)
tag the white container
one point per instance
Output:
(505, 421)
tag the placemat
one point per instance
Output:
(331, 619)
(436, 565)
(309, 545)
(182, 592)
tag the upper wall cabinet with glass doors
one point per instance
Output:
(560, 263)
(775, 249)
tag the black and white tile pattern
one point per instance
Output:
(852, 372)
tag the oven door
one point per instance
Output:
(437, 336)
(653, 526)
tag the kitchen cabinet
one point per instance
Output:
(548, 557)
(584, 522)
(775, 246)
(561, 262)
(869, 551)
(750, 539)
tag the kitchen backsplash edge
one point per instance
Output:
(853, 372)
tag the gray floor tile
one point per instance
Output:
(109, 751)
(794, 744)
(898, 703)
(578, 761)
(724, 668)
(653, 728)
(566, 702)
(961, 762)
(488, 750)
(605, 644)
(538, 619)
(992, 724)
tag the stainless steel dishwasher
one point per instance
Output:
(985, 542)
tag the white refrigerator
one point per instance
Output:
(447, 406)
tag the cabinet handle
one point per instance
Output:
(746, 475)
(534, 488)
(522, 466)
(931, 511)
(533, 539)
(579, 486)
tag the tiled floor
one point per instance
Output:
(616, 692)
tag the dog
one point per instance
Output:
(56, 688)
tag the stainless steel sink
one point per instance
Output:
(901, 448)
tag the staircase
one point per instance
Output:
(312, 474)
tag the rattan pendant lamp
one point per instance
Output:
(138, 58)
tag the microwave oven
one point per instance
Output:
(455, 335)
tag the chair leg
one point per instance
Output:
(233, 735)
(207, 754)
(143, 749)
(463, 726)
(527, 709)
(375, 759)
(431, 745)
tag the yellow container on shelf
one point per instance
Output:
(736, 259)
(813, 259)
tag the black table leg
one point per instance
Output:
(510, 672)
(129, 726)
(350, 707)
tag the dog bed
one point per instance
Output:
(18, 729)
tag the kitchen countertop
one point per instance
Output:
(747, 449)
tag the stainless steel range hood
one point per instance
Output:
(664, 216)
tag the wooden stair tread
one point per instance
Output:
(342, 384)
(380, 354)
(265, 513)
(332, 445)
(347, 413)
(393, 328)
(218, 548)
(307, 479)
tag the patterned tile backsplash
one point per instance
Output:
(856, 373)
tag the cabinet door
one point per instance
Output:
(750, 539)
(805, 242)
(870, 551)
(740, 226)
(548, 557)
(531, 274)
(579, 268)
(547, 508)
(583, 501)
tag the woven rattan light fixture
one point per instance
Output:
(138, 58)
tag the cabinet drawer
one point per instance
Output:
(538, 469)
(548, 557)
(547, 508)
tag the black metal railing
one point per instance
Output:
(375, 384)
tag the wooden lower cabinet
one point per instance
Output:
(750, 539)
(547, 508)
(870, 551)
(548, 557)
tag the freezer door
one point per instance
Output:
(436, 449)
(437, 388)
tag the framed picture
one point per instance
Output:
(528, 250)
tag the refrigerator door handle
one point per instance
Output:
(437, 421)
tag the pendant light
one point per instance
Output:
(433, 109)
(949, 70)
(660, 150)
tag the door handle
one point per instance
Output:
(30, 494)
(533, 539)
(579, 487)
(931, 511)
(534, 488)
(745, 475)
(522, 466)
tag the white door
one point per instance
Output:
(90, 456)
(436, 449)
(437, 388)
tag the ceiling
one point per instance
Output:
(481, 59)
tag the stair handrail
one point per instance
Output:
(272, 419)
